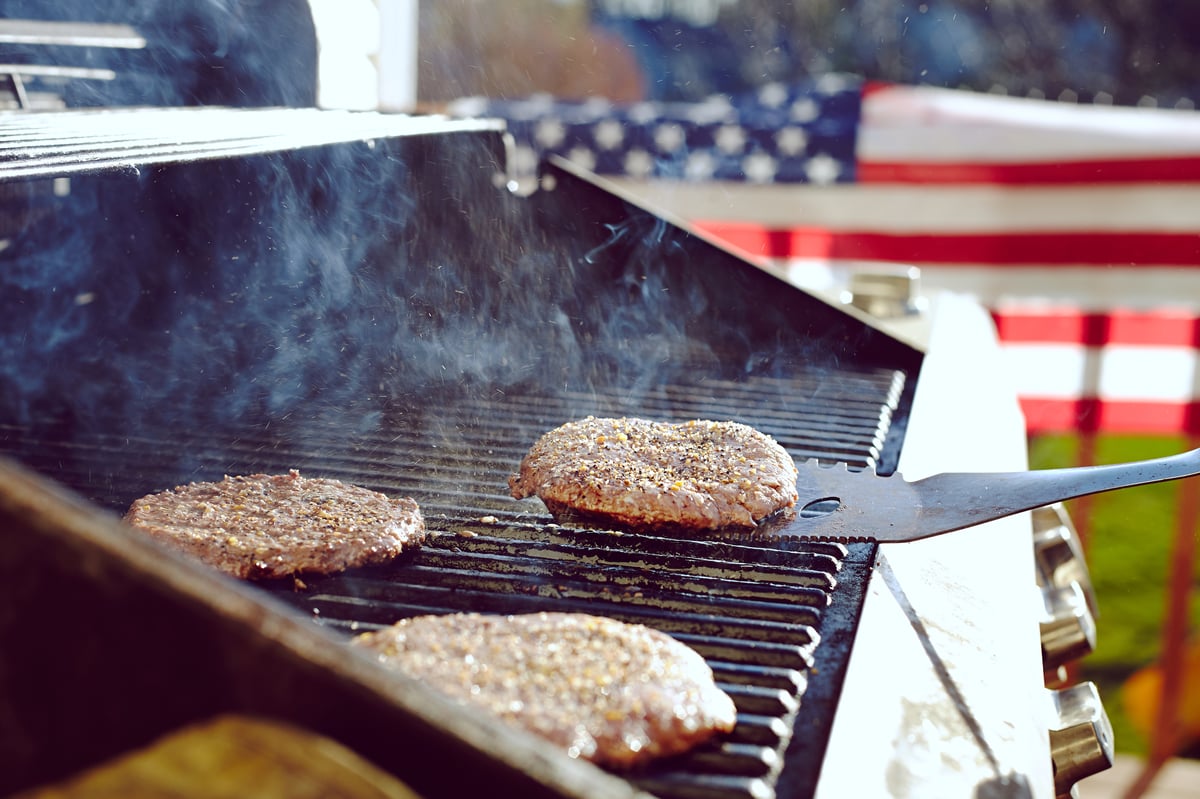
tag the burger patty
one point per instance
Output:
(262, 526)
(613, 693)
(653, 476)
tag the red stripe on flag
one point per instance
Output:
(1051, 326)
(797, 242)
(1065, 325)
(872, 86)
(1157, 328)
(1180, 169)
(1095, 415)
(1001, 249)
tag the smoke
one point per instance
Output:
(336, 283)
(331, 292)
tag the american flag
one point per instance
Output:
(1077, 226)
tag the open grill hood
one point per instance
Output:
(366, 300)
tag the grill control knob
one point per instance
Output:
(1060, 560)
(1081, 744)
(1069, 632)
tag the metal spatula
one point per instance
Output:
(841, 505)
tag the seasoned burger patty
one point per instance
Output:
(653, 476)
(613, 693)
(262, 526)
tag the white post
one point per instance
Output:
(348, 37)
(398, 36)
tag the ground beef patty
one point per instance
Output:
(262, 526)
(613, 693)
(653, 476)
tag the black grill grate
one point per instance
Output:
(774, 620)
(454, 455)
(759, 617)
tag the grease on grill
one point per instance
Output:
(614, 693)
(654, 476)
(263, 526)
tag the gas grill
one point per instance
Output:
(766, 616)
(365, 297)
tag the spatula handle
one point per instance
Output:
(891, 509)
(990, 496)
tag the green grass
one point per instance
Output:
(1128, 551)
